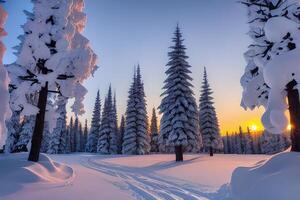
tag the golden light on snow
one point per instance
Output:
(289, 127)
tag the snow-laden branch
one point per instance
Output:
(274, 56)
(53, 51)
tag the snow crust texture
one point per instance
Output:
(17, 171)
(276, 178)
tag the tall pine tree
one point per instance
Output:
(209, 126)
(76, 136)
(154, 132)
(180, 120)
(121, 133)
(85, 136)
(136, 139)
(71, 135)
(93, 136)
(107, 143)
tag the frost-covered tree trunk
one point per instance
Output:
(55, 58)
(93, 136)
(37, 135)
(294, 109)
(154, 132)
(136, 139)
(180, 118)
(209, 127)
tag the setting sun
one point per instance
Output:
(253, 127)
(289, 127)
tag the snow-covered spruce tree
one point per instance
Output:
(25, 135)
(136, 138)
(85, 136)
(180, 119)
(121, 134)
(80, 131)
(71, 135)
(57, 142)
(27, 127)
(93, 136)
(225, 143)
(4, 81)
(248, 148)
(278, 21)
(107, 143)
(76, 136)
(238, 143)
(154, 132)
(13, 126)
(209, 126)
(56, 58)
(46, 138)
(68, 145)
(114, 122)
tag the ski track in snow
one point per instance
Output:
(148, 186)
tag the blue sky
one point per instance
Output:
(126, 32)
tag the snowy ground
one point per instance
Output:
(131, 177)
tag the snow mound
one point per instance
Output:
(276, 178)
(16, 171)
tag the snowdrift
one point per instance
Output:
(277, 178)
(16, 171)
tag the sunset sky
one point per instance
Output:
(131, 32)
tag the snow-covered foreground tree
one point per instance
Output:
(108, 136)
(93, 136)
(136, 139)
(154, 132)
(180, 119)
(273, 72)
(209, 126)
(4, 81)
(54, 57)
